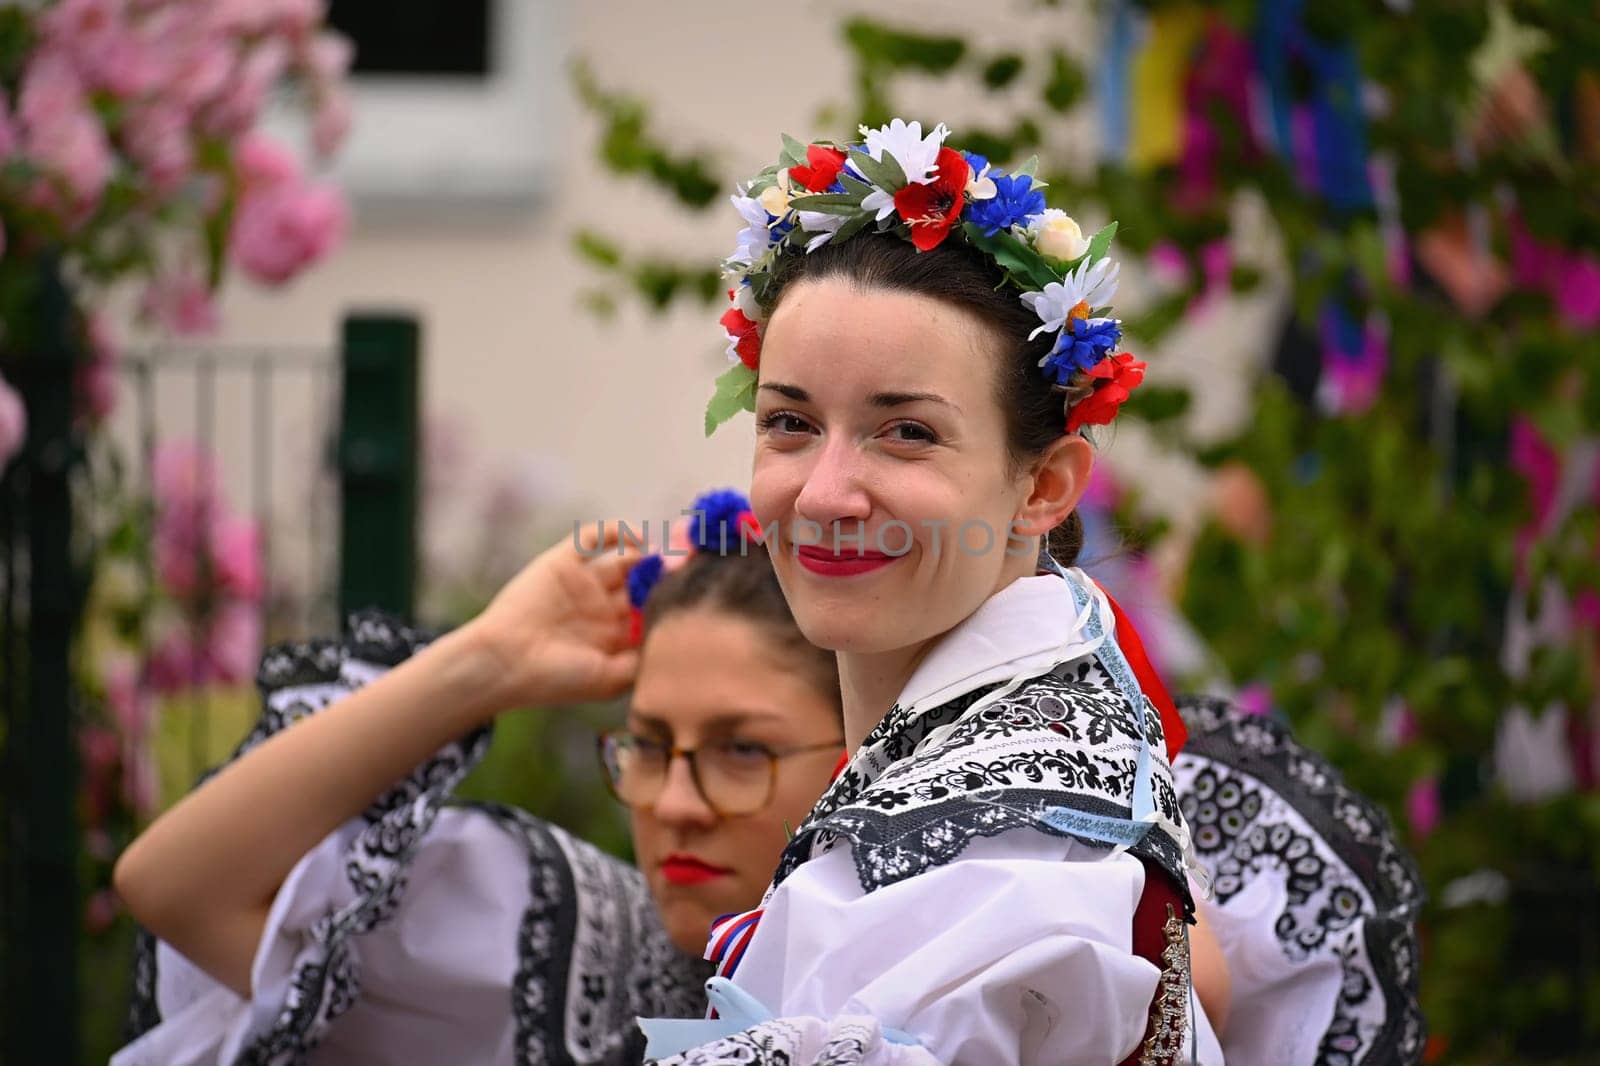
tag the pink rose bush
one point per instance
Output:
(129, 145)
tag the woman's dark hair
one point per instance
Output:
(959, 274)
(742, 585)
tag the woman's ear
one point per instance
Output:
(1056, 482)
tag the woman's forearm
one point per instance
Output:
(203, 876)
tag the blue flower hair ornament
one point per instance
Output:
(720, 521)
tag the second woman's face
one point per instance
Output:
(707, 679)
(876, 413)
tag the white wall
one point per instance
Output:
(512, 358)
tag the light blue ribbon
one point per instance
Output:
(1111, 830)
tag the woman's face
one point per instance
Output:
(707, 677)
(876, 412)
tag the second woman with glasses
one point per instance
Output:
(319, 900)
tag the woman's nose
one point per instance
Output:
(680, 802)
(834, 491)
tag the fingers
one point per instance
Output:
(618, 672)
(611, 569)
(591, 540)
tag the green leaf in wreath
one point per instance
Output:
(794, 152)
(851, 227)
(736, 391)
(828, 203)
(1100, 244)
(885, 173)
(1022, 262)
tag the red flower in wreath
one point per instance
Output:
(930, 210)
(1118, 376)
(825, 164)
(744, 336)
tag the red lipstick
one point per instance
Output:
(688, 870)
(820, 560)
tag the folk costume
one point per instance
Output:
(424, 931)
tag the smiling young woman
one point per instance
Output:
(999, 874)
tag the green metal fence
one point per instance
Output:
(363, 461)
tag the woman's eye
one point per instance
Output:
(912, 432)
(743, 750)
(650, 750)
(784, 422)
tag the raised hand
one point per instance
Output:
(560, 629)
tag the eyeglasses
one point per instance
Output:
(734, 777)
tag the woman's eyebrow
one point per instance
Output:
(792, 392)
(877, 399)
(721, 721)
(899, 399)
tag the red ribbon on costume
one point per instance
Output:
(1172, 726)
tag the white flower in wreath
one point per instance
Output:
(823, 225)
(915, 153)
(744, 298)
(1091, 285)
(1057, 235)
(754, 240)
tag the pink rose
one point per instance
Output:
(250, 17)
(199, 69)
(236, 110)
(62, 135)
(1577, 291)
(236, 556)
(177, 561)
(97, 381)
(1422, 806)
(13, 423)
(175, 664)
(262, 161)
(183, 476)
(157, 137)
(282, 229)
(181, 303)
(126, 696)
(331, 123)
(110, 51)
(141, 781)
(99, 754)
(96, 387)
(234, 644)
(328, 58)
(1254, 700)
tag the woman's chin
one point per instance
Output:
(688, 926)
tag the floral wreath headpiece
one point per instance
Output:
(720, 523)
(900, 181)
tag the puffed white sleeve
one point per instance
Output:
(381, 888)
(1018, 952)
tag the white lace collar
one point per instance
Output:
(1023, 630)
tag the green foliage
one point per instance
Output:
(736, 391)
(628, 147)
(658, 282)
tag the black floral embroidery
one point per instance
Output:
(974, 768)
(143, 1012)
(592, 955)
(299, 679)
(1259, 805)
